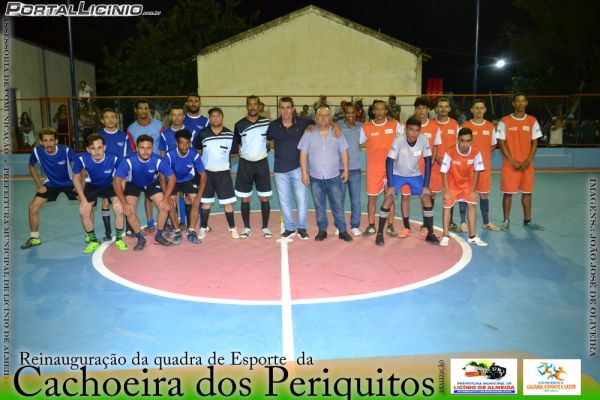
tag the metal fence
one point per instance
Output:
(575, 123)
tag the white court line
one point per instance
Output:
(287, 324)
(459, 265)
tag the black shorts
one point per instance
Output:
(52, 192)
(150, 190)
(188, 187)
(250, 173)
(92, 192)
(219, 183)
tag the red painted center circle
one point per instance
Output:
(250, 269)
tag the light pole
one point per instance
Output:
(476, 65)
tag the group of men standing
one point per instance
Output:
(191, 169)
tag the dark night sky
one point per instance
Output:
(444, 29)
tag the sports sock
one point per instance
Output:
(106, 221)
(484, 206)
(119, 234)
(265, 211)
(91, 235)
(150, 223)
(406, 222)
(188, 213)
(245, 209)
(181, 207)
(383, 215)
(140, 235)
(204, 214)
(462, 207)
(230, 221)
(35, 235)
(428, 219)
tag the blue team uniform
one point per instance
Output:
(195, 124)
(167, 140)
(118, 143)
(142, 173)
(100, 173)
(56, 167)
(185, 167)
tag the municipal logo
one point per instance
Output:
(483, 376)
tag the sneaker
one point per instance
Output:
(370, 230)
(177, 238)
(345, 236)
(431, 238)
(149, 229)
(31, 242)
(140, 245)
(505, 225)
(163, 242)
(288, 234)
(91, 247)
(322, 235)
(86, 239)
(405, 232)
(445, 241)
(182, 227)
(246, 233)
(391, 231)
(130, 234)
(234, 233)
(423, 230)
(203, 231)
(193, 238)
(303, 234)
(477, 241)
(463, 228)
(266, 232)
(491, 227)
(107, 237)
(121, 245)
(337, 231)
(356, 232)
(379, 239)
(453, 227)
(533, 226)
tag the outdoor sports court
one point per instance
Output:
(524, 293)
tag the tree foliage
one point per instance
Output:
(557, 46)
(160, 59)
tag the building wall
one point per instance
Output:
(37, 72)
(309, 55)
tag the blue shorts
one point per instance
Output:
(416, 184)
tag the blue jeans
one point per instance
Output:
(332, 189)
(354, 186)
(286, 182)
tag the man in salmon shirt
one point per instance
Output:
(517, 135)
(461, 166)
(378, 135)
(484, 138)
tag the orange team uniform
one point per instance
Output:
(379, 139)
(461, 174)
(484, 138)
(431, 129)
(518, 133)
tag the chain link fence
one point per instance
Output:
(565, 120)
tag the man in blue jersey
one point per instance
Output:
(194, 121)
(118, 143)
(145, 125)
(187, 167)
(56, 162)
(216, 143)
(253, 168)
(167, 140)
(138, 173)
(99, 167)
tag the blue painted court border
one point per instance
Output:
(524, 293)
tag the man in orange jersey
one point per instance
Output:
(378, 135)
(484, 138)
(517, 135)
(460, 171)
(431, 130)
(448, 131)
